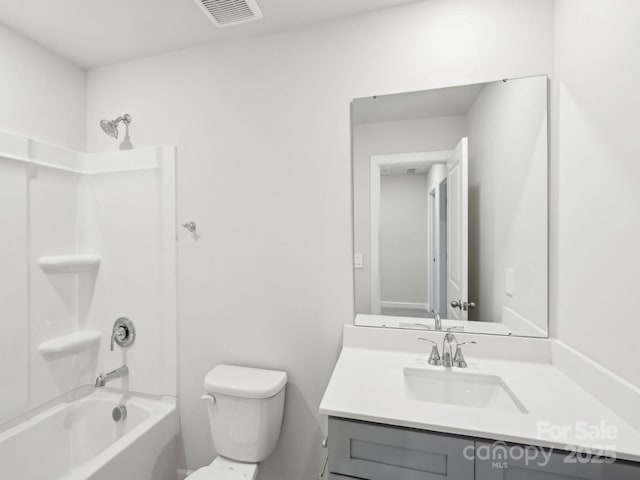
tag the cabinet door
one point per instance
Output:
(379, 452)
(499, 461)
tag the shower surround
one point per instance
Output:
(87, 238)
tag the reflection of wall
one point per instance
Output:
(421, 135)
(595, 222)
(404, 255)
(507, 127)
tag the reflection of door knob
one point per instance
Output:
(471, 305)
(456, 304)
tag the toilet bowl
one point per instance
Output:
(245, 407)
(224, 469)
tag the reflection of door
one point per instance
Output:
(442, 247)
(433, 251)
(457, 232)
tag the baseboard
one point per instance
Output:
(405, 305)
(615, 392)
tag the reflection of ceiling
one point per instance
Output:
(410, 106)
(91, 33)
(406, 169)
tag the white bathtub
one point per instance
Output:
(78, 440)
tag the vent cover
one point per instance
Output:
(226, 13)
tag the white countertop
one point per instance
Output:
(369, 385)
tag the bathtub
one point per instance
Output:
(77, 439)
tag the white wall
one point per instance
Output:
(381, 138)
(507, 127)
(595, 222)
(404, 239)
(262, 129)
(42, 95)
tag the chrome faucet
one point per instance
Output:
(438, 320)
(104, 378)
(447, 349)
(458, 357)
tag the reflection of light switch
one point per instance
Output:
(357, 260)
(510, 281)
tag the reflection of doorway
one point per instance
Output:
(433, 251)
(414, 162)
(442, 244)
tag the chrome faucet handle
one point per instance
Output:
(458, 357)
(124, 333)
(434, 358)
(119, 333)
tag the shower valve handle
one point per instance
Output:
(123, 333)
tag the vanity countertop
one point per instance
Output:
(369, 385)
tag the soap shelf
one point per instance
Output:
(72, 343)
(69, 263)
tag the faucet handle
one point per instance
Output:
(434, 358)
(123, 333)
(458, 357)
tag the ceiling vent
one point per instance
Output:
(226, 13)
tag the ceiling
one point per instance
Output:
(92, 32)
(441, 102)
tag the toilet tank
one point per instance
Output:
(245, 411)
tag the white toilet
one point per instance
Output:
(245, 415)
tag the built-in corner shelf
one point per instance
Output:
(69, 263)
(72, 343)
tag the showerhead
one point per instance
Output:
(110, 127)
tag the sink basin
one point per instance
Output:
(466, 389)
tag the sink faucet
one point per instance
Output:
(436, 317)
(104, 378)
(447, 349)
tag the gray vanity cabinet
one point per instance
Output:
(378, 452)
(368, 451)
(510, 462)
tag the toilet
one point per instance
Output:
(245, 408)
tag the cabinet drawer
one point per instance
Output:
(500, 461)
(377, 452)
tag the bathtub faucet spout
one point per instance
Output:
(104, 378)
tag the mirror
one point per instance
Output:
(450, 208)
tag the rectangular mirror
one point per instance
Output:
(450, 208)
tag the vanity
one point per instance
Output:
(448, 371)
(510, 414)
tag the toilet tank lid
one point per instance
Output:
(244, 381)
